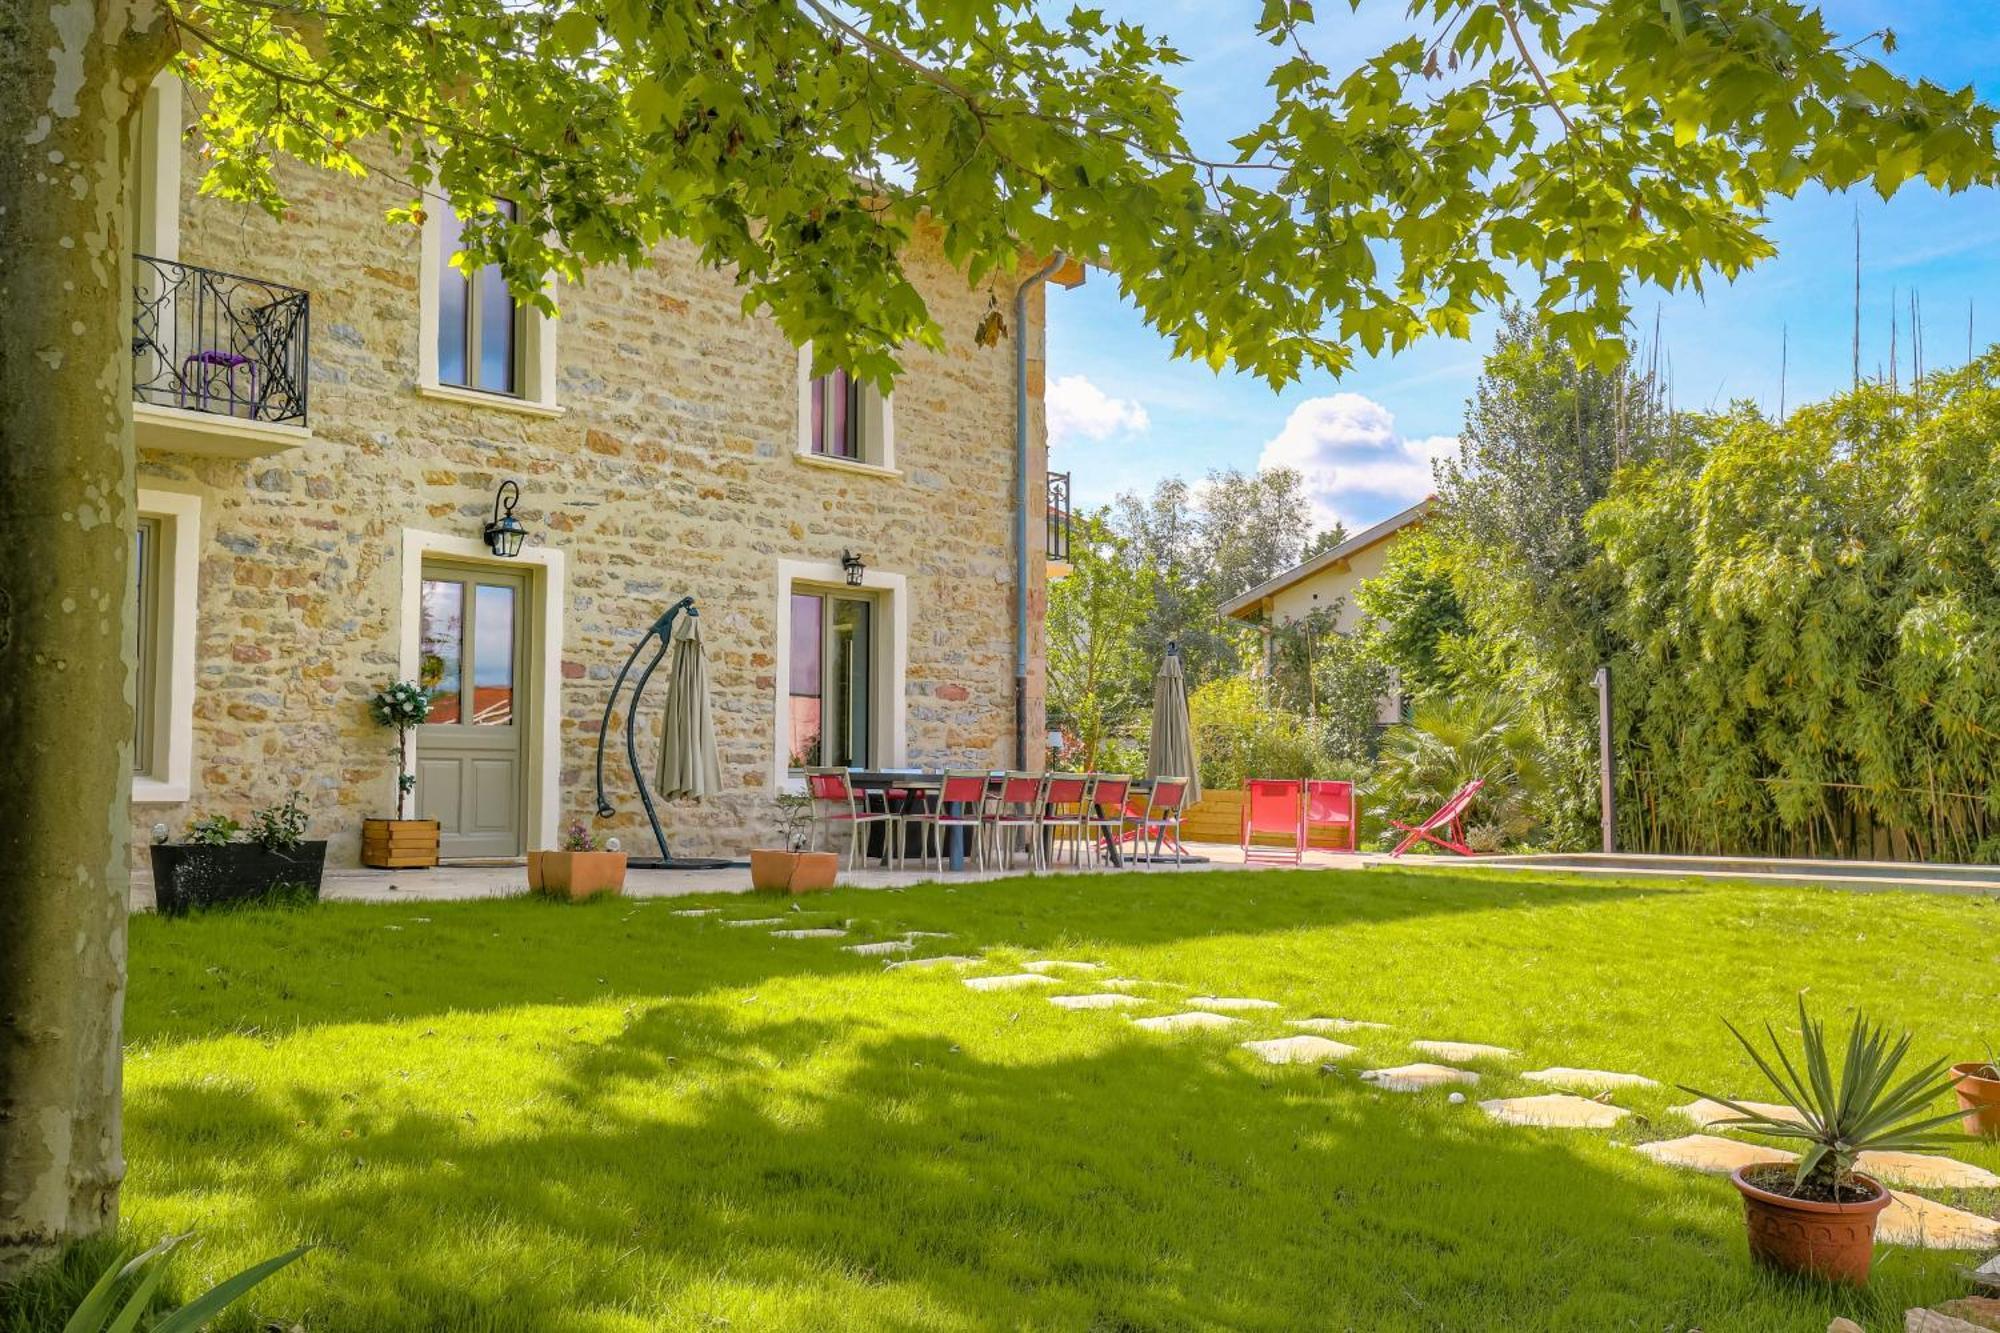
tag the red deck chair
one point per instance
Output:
(1450, 817)
(1330, 805)
(1272, 806)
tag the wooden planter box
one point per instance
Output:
(1218, 817)
(399, 844)
(190, 875)
(576, 874)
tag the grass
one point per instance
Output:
(516, 1115)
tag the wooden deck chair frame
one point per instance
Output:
(1260, 799)
(1450, 816)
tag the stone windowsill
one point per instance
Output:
(848, 465)
(501, 402)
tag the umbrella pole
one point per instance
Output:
(632, 735)
(604, 807)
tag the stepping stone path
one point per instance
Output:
(1911, 1220)
(1300, 1050)
(1193, 1021)
(1051, 964)
(880, 946)
(1926, 1172)
(758, 921)
(695, 911)
(1108, 1000)
(1706, 1112)
(810, 933)
(1230, 1002)
(1333, 1024)
(1554, 1110)
(1011, 981)
(941, 960)
(1712, 1154)
(1463, 1050)
(1588, 1080)
(926, 934)
(1987, 1275)
(1416, 1078)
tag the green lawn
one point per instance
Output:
(526, 1116)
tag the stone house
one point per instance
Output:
(325, 410)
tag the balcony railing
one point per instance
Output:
(218, 343)
(1059, 517)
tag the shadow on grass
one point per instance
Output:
(264, 972)
(699, 1169)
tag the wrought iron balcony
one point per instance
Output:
(1058, 543)
(218, 343)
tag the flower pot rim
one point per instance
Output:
(1772, 1198)
(1965, 1075)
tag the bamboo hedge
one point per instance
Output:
(1812, 612)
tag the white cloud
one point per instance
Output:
(1358, 470)
(1079, 410)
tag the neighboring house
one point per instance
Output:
(1327, 582)
(325, 410)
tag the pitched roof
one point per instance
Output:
(1243, 607)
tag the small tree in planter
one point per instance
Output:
(791, 868)
(215, 866)
(579, 868)
(402, 842)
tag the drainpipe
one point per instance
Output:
(1021, 501)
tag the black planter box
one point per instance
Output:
(189, 875)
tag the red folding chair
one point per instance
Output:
(1331, 805)
(1450, 817)
(1271, 807)
(1157, 815)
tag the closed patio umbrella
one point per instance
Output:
(1171, 755)
(688, 766)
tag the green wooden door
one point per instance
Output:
(471, 755)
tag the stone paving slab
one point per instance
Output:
(874, 947)
(1054, 964)
(1925, 1171)
(1108, 1000)
(1706, 1112)
(695, 911)
(941, 960)
(1987, 1275)
(1011, 981)
(810, 933)
(926, 934)
(759, 921)
(1124, 981)
(1192, 1021)
(1303, 1049)
(1416, 1078)
(1911, 1219)
(1554, 1110)
(1713, 1154)
(1334, 1024)
(1227, 1003)
(1588, 1080)
(1463, 1050)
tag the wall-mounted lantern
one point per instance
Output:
(504, 532)
(851, 565)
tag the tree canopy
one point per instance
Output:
(799, 142)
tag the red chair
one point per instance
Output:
(1065, 802)
(1104, 821)
(960, 804)
(837, 805)
(1331, 805)
(1271, 807)
(1158, 817)
(1016, 807)
(1450, 816)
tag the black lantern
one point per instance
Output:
(850, 563)
(504, 533)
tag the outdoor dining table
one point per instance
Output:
(905, 790)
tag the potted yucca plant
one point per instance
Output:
(1818, 1217)
(402, 842)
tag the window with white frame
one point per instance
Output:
(830, 701)
(479, 339)
(165, 573)
(844, 420)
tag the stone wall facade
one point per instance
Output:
(671, 469)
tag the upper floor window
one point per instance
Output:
(479, 333)
(844, 420)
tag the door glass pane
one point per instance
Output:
(492, 655)
(802, 702)
(453, 300)
(441, 644)
(849, 681)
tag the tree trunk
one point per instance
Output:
(71, 75)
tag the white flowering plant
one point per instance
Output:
(404, 706)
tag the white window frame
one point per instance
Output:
(156, 169)
(878, 428)
(891, 663)
(166, 777)
(537, 396)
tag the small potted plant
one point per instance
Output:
(1818, 1218)
(1978, 1089)
(216, 865)
(402, 842)
(579, 868)
(791, 868)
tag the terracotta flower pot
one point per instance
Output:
(1833, 1241)
(1979, 1098)
(781, 871)
(576, 874)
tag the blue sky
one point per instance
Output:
(1123, 414)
